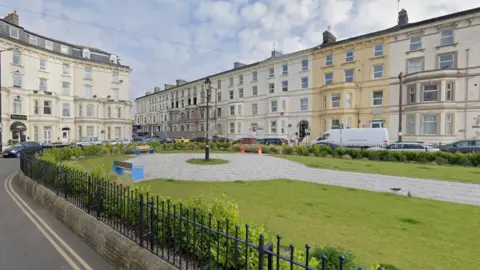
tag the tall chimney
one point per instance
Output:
(402, 17)
(12, 18)
(328, 37)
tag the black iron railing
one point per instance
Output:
(180, 235)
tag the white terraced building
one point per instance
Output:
(54, 91)
(271, 98)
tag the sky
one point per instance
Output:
(165, 40)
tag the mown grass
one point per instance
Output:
(426, 171)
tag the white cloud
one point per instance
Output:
(223, 31)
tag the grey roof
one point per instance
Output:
(74, 51)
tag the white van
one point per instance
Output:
(355, 137)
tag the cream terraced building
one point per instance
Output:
(54, 91)
(271, 98)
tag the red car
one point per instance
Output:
(245, 141)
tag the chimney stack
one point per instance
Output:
(238, 64)
(328, 37)
(12, 18)
(156, 89)
(402, 17)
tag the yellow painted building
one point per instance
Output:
(350, 83)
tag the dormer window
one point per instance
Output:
(113, 59)
(86, 53)
(13, 32)
(48, 45)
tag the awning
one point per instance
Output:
(18, 126)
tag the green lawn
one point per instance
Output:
(106, 161)
(427, 171)
(202, 161)
(411, 233)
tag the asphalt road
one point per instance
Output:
(27, 244)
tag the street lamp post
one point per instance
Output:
(1, 125)
(208, 85)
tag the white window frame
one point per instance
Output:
(415, 44)
(335, 124)
(336, 103)
(274, 106)
(413, 66)
(17, 106)
(411, 124)
(304, 64)
(412, 92)
(448, 123)
(42, 64)
(36, 107)
(451, 62)
(348, 77)
(230, 81)
(304, 104)
(14, 33)
(449, 92)
(17, 79)
(378, 49)
(254, 90)
(271, 72)
(377, 123)
(86, 53)
(240, 92)
(48, 45)
(116, 94)
(273, 127)
(254, 75)
(47, 104)
(232, 110)
(271, 88)
(66, 109)
(45, 84)
(231, 94)
(66, 68)
(63, 49)
(115, 77)
(350, 55)
(329, 60)
(254, 108)
(433, 123)
(285, 69)
(239, 127)
(327, 80)
(239, 109)
(32, 40)
(437, 90)
(17, 57)
(88, 91)
(378, 74)
(304, 82)
(240, 79)
(285, 86)
(67, 88)
(87, 73)
(232, 128)
(447, 38)
(118, 111)
(379, 100)
(90, 110)
(348, 100)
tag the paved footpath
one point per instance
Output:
(23, 245)
(254, 167)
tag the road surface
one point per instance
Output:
(31, 238)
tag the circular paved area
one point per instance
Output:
(247, 167)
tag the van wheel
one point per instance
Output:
(364, 148)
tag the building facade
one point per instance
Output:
(352, 83)
(271, 98)
(53, 91)
(440, 63)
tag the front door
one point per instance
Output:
(65, 135)
(302, 130)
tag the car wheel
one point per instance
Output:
(18, 155)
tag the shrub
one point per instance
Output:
(235, 147)
(287, 150)
(333, 258)
(274, 149)
(130, 149)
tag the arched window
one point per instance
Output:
(113, 59)
(86, 53)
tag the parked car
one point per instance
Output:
(120, 141)
(16, 150)
(220, 139)
(181, 140)
(462, 146)
(245, 141)
(140, 138)
(273, 141)
(168, 140)
(89, 141)
(355, 137)
(407, 146)
(199, 139)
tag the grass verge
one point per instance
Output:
(426, 171)
(212, 161)
(410, 233)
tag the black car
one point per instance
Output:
(220, 139)
(199, 139)
(462, 147)
(16, 150)
(273, 141)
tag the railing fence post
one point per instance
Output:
(269, 247)
(141, 219)
(98, 200)
(261, 252)
(65, 183)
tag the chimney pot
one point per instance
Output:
(12, 18)
(402, 17)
